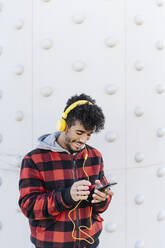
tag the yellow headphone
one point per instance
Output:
(61, 123)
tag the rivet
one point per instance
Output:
(19, 24)
(46, 91)
(139, 111)
(111, 227)
(160, 172)
(1, 50)
(160, 88)
(139, 157)
(19, 116)
(1, 138)
(161, 132)
(139, 199)
(139, 244)
(78, 66)
(78, 18)
(111, 89)
(139, 65)
(160, 3)
(47, 44)
(139, 19)
(110, 136)
(161, 215)
(110, 42)
(19, 69)
(159, 45)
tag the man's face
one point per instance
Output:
(76, 137)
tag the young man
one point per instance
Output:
(56, 179)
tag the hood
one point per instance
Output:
(48, 142)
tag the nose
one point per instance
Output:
(83, 139)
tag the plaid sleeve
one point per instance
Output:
(34, 201)
(102, 206)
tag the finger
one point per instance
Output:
(97, 199)
(99, 193)
(81, 193)
(109, 192)
(83, 182)
(82, 188)
(100, 198)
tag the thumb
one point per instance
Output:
(98, 183)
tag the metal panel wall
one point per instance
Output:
(113, 51)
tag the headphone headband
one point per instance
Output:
(74, 105)
(61, 124)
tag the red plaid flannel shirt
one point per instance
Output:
(45, 181)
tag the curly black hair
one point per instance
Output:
(90, 115)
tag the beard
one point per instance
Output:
(69, 143)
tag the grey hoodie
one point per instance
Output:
(48, 142)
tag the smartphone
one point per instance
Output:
(102, 188)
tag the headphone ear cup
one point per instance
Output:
(61, 125)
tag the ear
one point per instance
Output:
(66, 128)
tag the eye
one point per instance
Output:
(78, 133)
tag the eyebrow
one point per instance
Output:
(81, 131)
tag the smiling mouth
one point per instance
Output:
(79, 145)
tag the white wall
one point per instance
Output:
(113, 51)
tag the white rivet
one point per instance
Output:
(1, 50)
(47, 44)
(160, 88)
(139, 65)
(139, 19)
(78, 66)
(161, 215)
(160, 3)
(161, 132)
(139, 244)
(78, 18)
(139, 199)
(160, 172)
(19, 116)
(0, 181)
(19, 24)
(111, 89)
(110, 42)
(1, 94)
(1, 138)
(139, 157)
(111, 227)
(19, 69)
(159, 45)
(46, 91)
(139, 111)
(110, 136)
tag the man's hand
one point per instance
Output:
(99, 196)
(80, 190)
